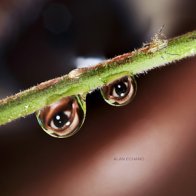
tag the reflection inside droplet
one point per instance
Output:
(120, 92)
(63, 118)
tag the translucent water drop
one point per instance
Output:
(120, 92)
(64, 117)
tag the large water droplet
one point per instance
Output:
(120, 92)
(64, 117)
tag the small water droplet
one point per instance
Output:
(64, 117)
(120, 92)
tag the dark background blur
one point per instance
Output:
(42, 39)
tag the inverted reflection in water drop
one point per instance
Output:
(63, 118)
(120, 92)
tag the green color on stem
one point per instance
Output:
(157, 53)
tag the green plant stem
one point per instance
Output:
(155, 54)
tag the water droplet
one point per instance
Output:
(120, 92)
(64, 117)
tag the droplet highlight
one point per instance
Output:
(120, 92)
(63, 118)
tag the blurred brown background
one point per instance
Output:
(42, 39)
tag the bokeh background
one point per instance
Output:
(43, 39)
